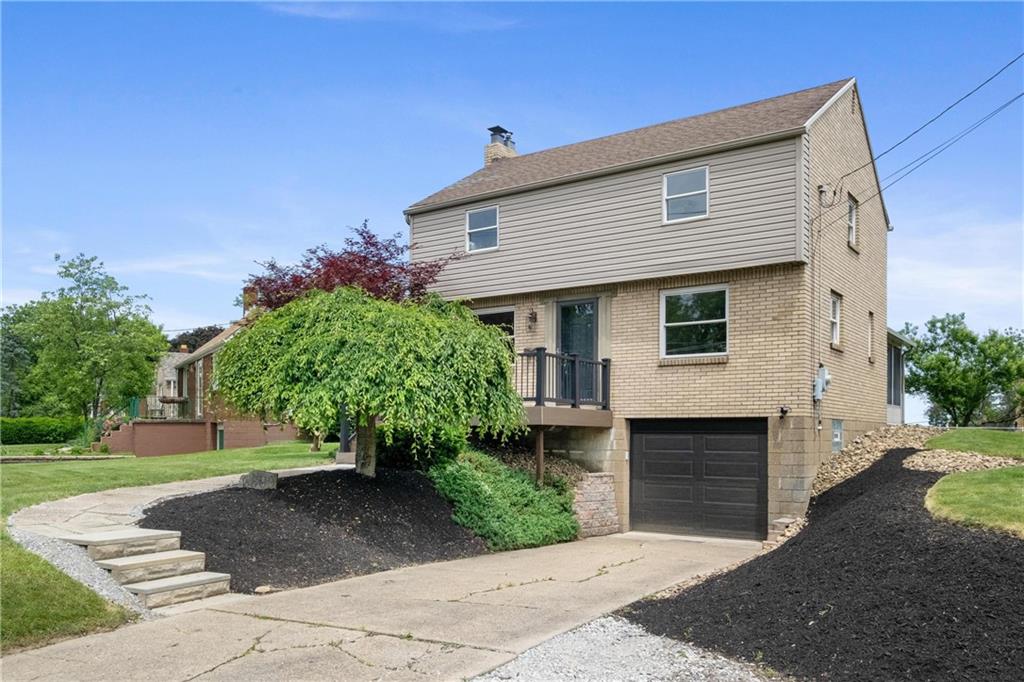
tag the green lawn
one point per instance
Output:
(992, 498)
(982, 441)
(30, 448)
(40, 603)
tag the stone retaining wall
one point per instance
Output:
(594, 505)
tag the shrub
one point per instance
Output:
(504, 506)
(105, 449)
(405, 451)
(20, 430)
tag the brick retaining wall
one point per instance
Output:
(594, 505)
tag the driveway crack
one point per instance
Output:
(604, 570)
(252, 648)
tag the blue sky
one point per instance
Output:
(182, 142)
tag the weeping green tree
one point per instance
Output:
(423, 369)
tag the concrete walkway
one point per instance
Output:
(119, 507)
(448, 620)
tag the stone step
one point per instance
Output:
(143, 567)
(179, 588)
(127, 541)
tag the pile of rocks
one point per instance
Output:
(868, 449)
(946, 462)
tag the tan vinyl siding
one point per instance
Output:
(610, 229)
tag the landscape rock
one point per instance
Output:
(946, 462)
(259, 480)
(864, 451)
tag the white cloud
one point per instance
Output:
(201, 266)
(957, 263)
(449, 18)
(17, 296)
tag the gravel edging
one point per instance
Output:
(75, 562)
(611, 648)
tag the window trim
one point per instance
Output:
(852, 220)
(493, 310)
(835, 323)
(692, 290)
(665, 196)
(841, 431)
(496, 228)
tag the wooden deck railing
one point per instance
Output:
(567, 380)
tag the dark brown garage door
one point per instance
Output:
(700, 476)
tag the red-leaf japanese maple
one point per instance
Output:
(378, 265)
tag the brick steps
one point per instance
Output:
(151, 565)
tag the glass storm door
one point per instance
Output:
(577, 333)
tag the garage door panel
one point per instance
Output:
(666, 493)
(706, 477)
(731, 443)
(661, 442)
(734, 496)
(731, 469)
(669, 467)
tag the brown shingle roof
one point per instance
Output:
(754, 120)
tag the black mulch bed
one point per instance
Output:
(317, 527)
(872, 589)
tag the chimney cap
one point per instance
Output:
(498, 130)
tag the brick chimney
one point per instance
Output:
(501, 145)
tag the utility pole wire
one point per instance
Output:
(939, 115)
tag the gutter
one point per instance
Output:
(610, 170)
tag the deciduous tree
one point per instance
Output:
(960, 371)
(379, 266)
(93, 342)
(416, 368)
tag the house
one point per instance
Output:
(196, 418)
(697, 306)
(165, 385)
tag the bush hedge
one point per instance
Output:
(504, 506)
(21, 430)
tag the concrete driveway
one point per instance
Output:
(447, 620)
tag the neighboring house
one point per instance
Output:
(895, 348)
(676, 292)
(165, 385)
(200, 419)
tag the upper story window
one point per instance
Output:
(482, 229)
(685, 195)
(852, 209)
(695, 321)
(835, 315)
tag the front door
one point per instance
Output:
(577, 334)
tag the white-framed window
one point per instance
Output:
(835, 317)
(685, 195)
(695, 321)
(837, 435)
(482, 229)
(504, 317)
(852, 209)
(199, 387)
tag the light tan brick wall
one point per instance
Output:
(838, 145)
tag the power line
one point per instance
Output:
(937, 116)
(933, 152)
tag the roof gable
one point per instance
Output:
(777, 115)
